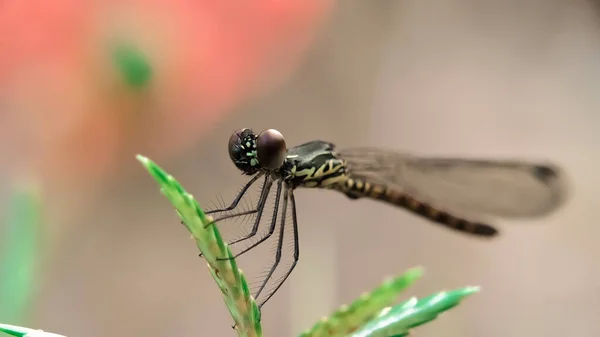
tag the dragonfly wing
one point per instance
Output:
(500, 188)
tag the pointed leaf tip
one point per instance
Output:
(141, 159)
(14, 330)
(470, 290)
(20, 331)
(415, 272)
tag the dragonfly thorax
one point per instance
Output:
(314, 164)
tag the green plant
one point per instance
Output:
(370, 315)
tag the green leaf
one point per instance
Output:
(366, 307)
(400, 319)
(20, 331)
(19, 262)
(229, 278)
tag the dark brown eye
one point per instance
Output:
(234, 140)
(271, 149)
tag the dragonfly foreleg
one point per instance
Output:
(259, 207)
(237, 199)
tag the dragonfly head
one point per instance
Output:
(251, 153)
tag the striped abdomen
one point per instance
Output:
(357, 188)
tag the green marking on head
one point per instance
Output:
(253, 158)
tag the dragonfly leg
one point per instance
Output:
(259, 208)
(296, 249)
(279, 246)
(255, 227)
(239, 196)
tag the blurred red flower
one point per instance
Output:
(84, 82)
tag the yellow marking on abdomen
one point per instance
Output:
(413, 203)
(350, 183)
(367, 188)
(377, 190)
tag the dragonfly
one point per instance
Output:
(457, 193)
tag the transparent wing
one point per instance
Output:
(500, 188)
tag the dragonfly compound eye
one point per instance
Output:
(242, 150)
(234, 143)
(271, 149)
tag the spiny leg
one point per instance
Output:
(239, 196)
(279, 244)
(259, 207)
(296, 246)
(237, 199)
(255, 227)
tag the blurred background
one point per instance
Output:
(84, 86)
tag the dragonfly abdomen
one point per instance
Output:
(357, 188)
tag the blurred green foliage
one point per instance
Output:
(19, 256)
(133, 65)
